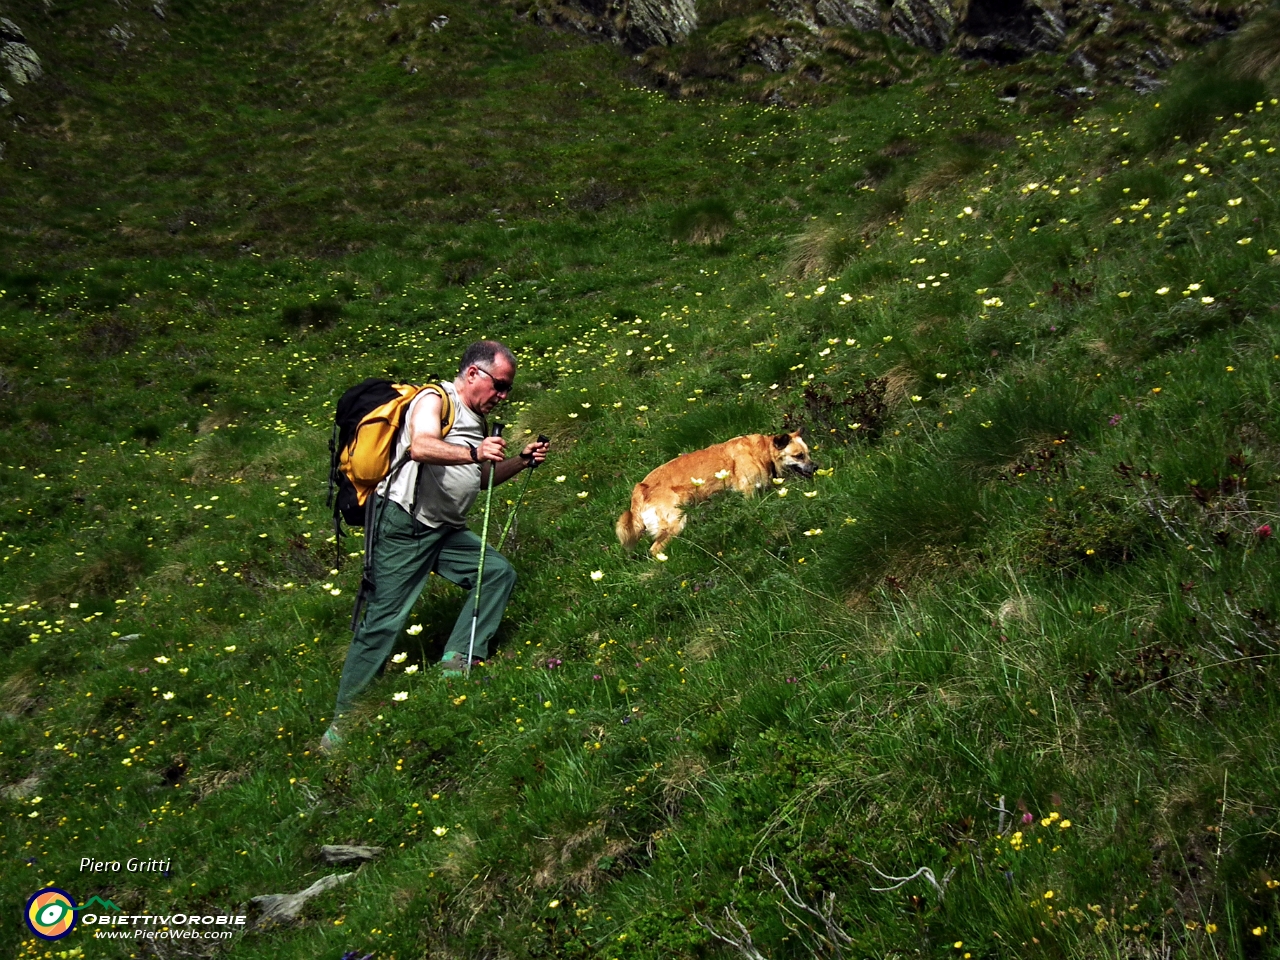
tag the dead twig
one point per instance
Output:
(831, 937)
(939, 887)
(741, 942)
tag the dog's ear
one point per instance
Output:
(797, 431)
(781, 440)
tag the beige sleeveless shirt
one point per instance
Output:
(443, 493)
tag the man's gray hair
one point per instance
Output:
(483, 353)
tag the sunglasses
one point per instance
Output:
(500, 386)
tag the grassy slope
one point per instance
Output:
(978, 601)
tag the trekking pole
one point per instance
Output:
(502, 539)
(484, 546)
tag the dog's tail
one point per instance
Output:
(628, 530)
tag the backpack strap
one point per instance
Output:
(448, 413)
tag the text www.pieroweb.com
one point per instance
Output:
(163, 934)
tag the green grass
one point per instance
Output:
(1036, 573)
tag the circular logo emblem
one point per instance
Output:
(51, 913)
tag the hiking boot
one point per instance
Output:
(332, 741)
(455, 664)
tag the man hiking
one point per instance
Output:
(421, 526)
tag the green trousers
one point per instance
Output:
(404, 554)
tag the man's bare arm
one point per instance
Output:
(427, 446)
(533, 454)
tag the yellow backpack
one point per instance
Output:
(362, 449)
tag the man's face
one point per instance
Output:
(489, 383)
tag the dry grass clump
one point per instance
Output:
(211, 781)
(900, 146)
(17, 695)
(680, 777)
(703, 646)
(820, 249)
(706, 222)
(1019, 609)
(581, 860)
(900, 382)
(846, 48)
(950, 169)
(214, 421)
(1255, 50)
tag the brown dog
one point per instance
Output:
(745, 464)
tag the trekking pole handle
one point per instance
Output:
(533, 464)
(496, 429)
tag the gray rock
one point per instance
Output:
(121, 33)
(341, 853)
(658, 22)
(1159, 58)
(22, 789)
(770, 53)
(285, 907)
(1083, 64)
(20, 60)
(5, 99)
(10, 32)
(635, 24)
(1143, 81)
(923, 23)
(859, 14)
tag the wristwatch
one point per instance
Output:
(474, 458)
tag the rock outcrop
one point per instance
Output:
(1094, 34)
(17, 58)
(995, 28)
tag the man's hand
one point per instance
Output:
(492, 449)
(536, 452)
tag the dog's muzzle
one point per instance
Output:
(804, 469)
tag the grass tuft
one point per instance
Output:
(820, 249)
(917, 512)
(1197, 100)
(320, 314)
(1254, 52)
(705, 222)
